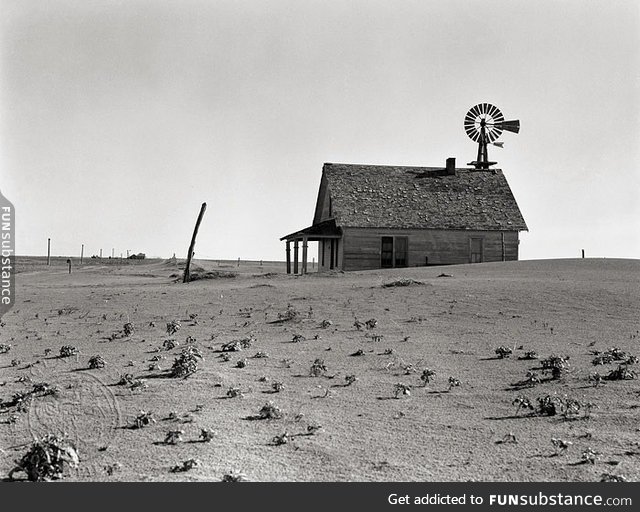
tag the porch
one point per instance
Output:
(326, 233)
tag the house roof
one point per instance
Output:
(418, 197)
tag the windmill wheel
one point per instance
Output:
(484, 114)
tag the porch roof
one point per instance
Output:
(321, 231)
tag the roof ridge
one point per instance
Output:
(408, 167)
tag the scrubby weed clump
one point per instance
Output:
(350, 379)
(173, 437)
(371, 323)
(68, 351)
(401, 389)
(621, 373)
(610, 477)
(4, 348)
(96, 362)
(45, 389)
(503, 352)
(427, 375)
(143, 419)
(453, 383)
(318, 368)
(207, 435)
(560, 445)
(523, 403)
(237, 345)
(557, 365)
(290, 315)
(270, 411)
(187, 363)
(589, 456)
(186, 465)
(46, 459)
(613, 355)
(173, 327)
(235, 392)
(281, 439)
(548, 405)
(128, 329)
(234, 477)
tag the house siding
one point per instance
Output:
(360, 247)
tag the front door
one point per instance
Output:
(400, 251)
(386, 252)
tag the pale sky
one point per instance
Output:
(119, 118)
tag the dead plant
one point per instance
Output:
(453, 383)
(318, 368)
(96, 362)
(186, 465)
(503, 352)
(401, 389)
(173, 327)
(46, 458)
(187, 363)
(143, 419)
(68, 351)
(173, 437)
(207, 435)
(270, 411)
(427, 375)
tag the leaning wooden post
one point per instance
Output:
(81, 254)
(187, 276)
(48, 251)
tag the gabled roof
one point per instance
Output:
(370, 196)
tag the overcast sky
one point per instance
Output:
(119, 118)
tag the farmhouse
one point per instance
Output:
(374, 216)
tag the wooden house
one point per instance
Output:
(374, 216)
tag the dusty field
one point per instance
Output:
(451, 325)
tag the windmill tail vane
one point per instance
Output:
(484, 123)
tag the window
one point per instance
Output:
(394, 251)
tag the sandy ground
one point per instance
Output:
(336, 432)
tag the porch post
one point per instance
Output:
(295, 256)
(304, 255)
(288, 257)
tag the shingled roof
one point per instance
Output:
(370, 196)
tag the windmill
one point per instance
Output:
(484, 123)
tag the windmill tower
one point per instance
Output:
(484, 123)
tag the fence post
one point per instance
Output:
(187, 275)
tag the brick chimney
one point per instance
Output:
(451, 166)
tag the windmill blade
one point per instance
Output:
(495, 114)
(493, 134)
(510, 126)
(475, 111)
